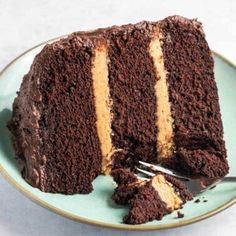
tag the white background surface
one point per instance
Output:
(23, 24)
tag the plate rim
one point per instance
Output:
(85, 220)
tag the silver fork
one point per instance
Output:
(195, 185)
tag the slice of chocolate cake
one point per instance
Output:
(107, 98)
(148, 199)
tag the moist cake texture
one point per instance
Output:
(197, 125)
(148, 199)
(104, 99)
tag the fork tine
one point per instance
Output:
(145, 172)
(163, 170)
(155, 167)
(142, 178)
(194, 185)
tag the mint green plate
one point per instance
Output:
(97, 208)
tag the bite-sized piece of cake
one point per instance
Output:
(104, 99)
(148, 199)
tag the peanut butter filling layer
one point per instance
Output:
(102, 103)
(165, 145)
(166, 192)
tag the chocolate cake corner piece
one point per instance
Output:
(145, 203)
(150, 199)
(145, 206)
(193, 95)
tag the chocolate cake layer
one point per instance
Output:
(148, 199)
(132, 79)
(69, 99)
(193, 96)
(69, 155)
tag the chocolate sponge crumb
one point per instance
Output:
(197, 200)
(180, 215)
(212, 187)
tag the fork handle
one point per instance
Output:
(229, 179)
